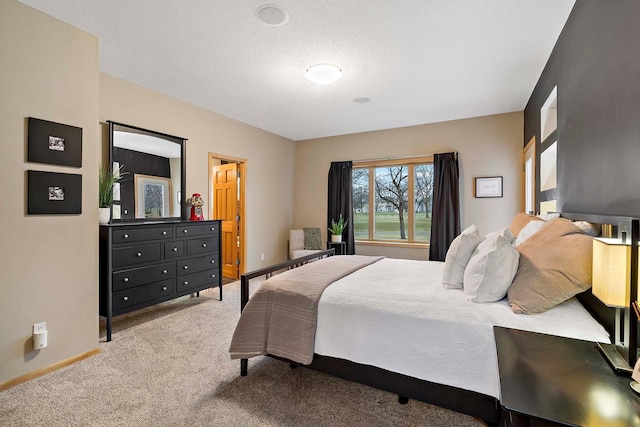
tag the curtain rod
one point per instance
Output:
(400, 158)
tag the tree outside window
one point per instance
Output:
(402, 196)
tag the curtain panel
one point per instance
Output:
(445, 220)
(340, 200)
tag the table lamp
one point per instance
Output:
(615, 283)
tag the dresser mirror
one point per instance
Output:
(152, 183)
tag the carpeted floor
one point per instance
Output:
(169, 366)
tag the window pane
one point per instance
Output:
(391, 202)
(360, 179)
(423, 200)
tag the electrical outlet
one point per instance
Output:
(39, 327)
(262, 256)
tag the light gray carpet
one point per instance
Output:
(169, 366)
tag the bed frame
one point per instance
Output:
(468, 402)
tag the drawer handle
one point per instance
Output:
(164, 288)
(204, 245)
(125, 280)
(213, 229)
(125, 299)
(139, 254)
(185, 231)
(186, 267)
(213, 261)
(213, 276)
(164, 271)
(175, 249)
(126, 236)
(164, 233)
(185, 283)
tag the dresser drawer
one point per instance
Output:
(202, 245)
(138, 234)
(197, 230)
(141, 294)
(194, 265)
(131, 255)
(143, 275)
(190, 281)
(174, 249)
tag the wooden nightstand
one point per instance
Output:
(550, 380)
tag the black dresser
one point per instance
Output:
(143, 264)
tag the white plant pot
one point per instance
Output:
(336, 238)
(104, 215)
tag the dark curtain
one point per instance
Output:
(445, 219)
(340, 200)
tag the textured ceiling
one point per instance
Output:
(420, 61)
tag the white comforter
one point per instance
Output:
(396, 315)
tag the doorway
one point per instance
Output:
(226, 203)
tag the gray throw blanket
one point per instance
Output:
(280, 318)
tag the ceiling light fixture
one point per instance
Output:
(323, 74)
(272, 15)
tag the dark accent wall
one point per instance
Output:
(596, 67)
(135, 162)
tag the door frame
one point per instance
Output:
(531, 145)
(242, 168)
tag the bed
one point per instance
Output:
(357, 332)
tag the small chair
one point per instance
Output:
(304, 242)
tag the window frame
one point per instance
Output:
(410, 163)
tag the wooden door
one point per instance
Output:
(226, 207)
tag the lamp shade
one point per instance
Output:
(611, 271)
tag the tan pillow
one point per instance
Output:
(555, 265)
(520, 221)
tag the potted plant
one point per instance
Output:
(106, 179)
(337, 228)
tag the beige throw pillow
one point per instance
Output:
(555, 265)
(520, 221)
(458, 256)
(491, 269)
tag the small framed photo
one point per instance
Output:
(53, 193)
(54, 143)
(488, 186)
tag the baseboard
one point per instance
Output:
(48, 369)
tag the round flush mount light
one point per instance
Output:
(323, 74)
(271, 14)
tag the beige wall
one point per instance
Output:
(49, 264)
(269, 180)
(487, 146)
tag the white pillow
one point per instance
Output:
(458, 256)
(491, 269)
(549, 216)
(528, 231)
(505, 232)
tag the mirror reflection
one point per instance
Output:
(152, 183)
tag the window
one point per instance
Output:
(392, 200)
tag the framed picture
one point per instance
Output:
(489, 186)
(53, 193)
(152, 196)
(54, 143)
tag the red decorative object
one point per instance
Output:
(196, 202)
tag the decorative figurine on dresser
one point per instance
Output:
(155, 255)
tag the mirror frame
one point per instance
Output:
(183, 170)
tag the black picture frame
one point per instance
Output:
(54, 143)
(51, 193)
(488, 187)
